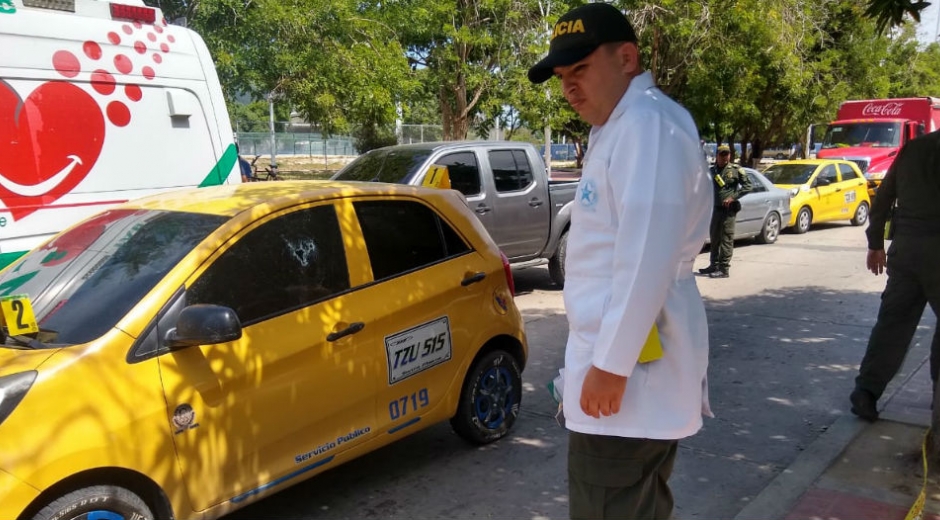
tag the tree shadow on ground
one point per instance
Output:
(782, 364)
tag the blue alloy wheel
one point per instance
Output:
(489, 401)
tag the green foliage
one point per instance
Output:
(255, 116)
(758, 71)
(329, 59)
(891, 13)
(372, 136)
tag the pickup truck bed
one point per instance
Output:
(505, 183)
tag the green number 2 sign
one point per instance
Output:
(7, 7)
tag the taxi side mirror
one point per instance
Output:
(204, 324)
(821, 181)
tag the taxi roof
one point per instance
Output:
(231, 199)
(811, 161)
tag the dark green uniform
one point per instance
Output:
(913, 185)
(730, 181)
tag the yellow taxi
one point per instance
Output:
(189, 353)
(822, 190)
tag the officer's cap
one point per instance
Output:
(578, 33)
(724, 149)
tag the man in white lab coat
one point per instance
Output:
(641, 215)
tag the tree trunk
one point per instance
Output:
(454, 102)
(757, 151)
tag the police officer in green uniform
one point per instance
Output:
(910, 196)
(731, 183)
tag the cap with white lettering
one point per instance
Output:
(578, 33)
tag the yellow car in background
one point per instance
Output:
(822, 190)
(186, 354)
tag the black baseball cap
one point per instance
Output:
(578, 33)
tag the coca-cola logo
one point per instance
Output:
(882, 109)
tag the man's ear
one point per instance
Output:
(629, 55)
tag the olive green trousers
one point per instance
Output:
(618, 477)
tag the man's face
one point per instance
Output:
(723, 158)
(594, 85)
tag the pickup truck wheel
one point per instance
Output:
(489, 401)
(98, 503)
(556, 266)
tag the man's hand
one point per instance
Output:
(602, 392)
(877, 260)
(727, 202)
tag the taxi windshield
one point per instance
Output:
(394, 166)
(862, 134)
(790, 173)
(87, 278)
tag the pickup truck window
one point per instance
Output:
(403, 236)
(396, 166)
(511, 170)
(464, 172)
(286, 263)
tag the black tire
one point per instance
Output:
(804, 219)
(489, 401)
(556, 266)
(770, 230)
(861, 214)
(112, 502)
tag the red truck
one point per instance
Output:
(870, 132)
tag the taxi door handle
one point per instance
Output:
(472, 279)
(838, 189)
(348, 331)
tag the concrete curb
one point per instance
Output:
(778, 498)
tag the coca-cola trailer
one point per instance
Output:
(872, 131)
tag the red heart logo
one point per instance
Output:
(54, 137)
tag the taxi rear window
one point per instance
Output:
(394, 166)
(87, 278)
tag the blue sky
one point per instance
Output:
(927, 30)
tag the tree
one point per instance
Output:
(255, 116)
(891, 13)
(329, 59)
(463, 49)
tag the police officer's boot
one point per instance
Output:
(719, 273)
(863, 404)
(708, 270)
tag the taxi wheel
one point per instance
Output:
(489, 401)
(861, 214)
(803, 220)
(97, 503)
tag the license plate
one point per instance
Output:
(417, 349)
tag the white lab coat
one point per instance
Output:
(640, 217)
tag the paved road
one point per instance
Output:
(787, 331)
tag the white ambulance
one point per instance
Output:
(101, 102)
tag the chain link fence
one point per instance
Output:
(420, 133)
(290, 143)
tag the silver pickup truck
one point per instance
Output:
(505, 183)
